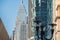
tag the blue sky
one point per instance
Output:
(9, 11)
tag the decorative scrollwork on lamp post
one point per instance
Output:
(52, 28)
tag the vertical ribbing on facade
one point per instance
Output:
(21, 25)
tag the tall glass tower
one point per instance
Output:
(43, 11)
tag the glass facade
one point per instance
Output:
(43, 10)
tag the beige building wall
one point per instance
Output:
(58, 25)
(29, 19)
(56, 13)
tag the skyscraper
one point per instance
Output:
(21, 31)
(30, 19)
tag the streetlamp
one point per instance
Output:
(52, 28)
(37, 28)
(42, 32)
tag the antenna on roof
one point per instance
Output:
(21, 1)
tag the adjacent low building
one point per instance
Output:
(3, 32)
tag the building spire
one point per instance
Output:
(21, 1)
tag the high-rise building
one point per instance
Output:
(21, 30)
(3, 32)
(43, 10)
(30, 19)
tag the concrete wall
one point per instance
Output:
(56, 13)
(29, 19)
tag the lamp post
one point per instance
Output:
(52, 28)
(37, 29)
(42, 33)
